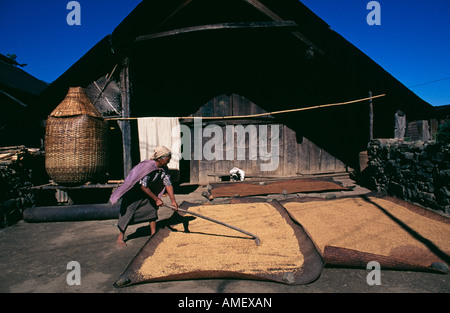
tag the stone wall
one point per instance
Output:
(418, 172)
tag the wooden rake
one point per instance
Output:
(256, 238)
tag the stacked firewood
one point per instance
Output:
(20, 169)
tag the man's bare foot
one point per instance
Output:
(120, 241)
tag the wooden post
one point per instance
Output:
(399, 125)
(126, 127)
(370, 117)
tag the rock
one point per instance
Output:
(445, 193)
(440, 266)
(444, 173)
(289, 278)
(409, 155)
(415, 171)
(396, 189)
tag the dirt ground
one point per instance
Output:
(34, 258)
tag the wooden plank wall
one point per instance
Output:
(305, 157)
(423, 129)
(296, 155)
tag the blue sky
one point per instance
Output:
(38, 33)
(412, 42)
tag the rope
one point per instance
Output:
(261, 114)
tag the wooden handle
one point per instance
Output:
(257, 240)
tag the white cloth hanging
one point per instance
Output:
(157, 131)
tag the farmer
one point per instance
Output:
(141, 192)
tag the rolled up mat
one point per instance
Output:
(84, 212)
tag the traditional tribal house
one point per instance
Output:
(236, 58)
(18, 90)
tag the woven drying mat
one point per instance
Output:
(353, 231)
(289, 186)
(210, 250)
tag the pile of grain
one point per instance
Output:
(360, 225)
(213, 247)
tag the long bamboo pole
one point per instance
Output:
(261, 114)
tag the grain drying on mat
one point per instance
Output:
(213, 247)
(359, 225)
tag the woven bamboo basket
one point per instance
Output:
(75, 141)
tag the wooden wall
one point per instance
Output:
(424, 129)
(296, 155)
